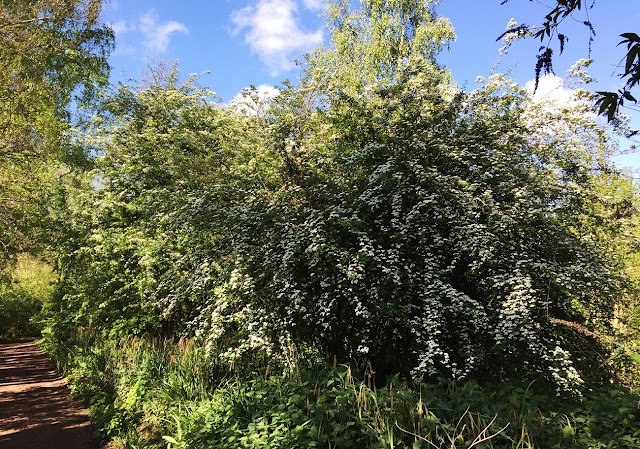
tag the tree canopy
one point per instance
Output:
(53, 54)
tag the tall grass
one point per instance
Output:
(133, 385)
(151, 393)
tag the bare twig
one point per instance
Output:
(479, 439)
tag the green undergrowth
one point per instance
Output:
(21, 299)
(167, 394)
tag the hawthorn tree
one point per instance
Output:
(144, 249)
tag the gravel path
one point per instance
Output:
(36, 409)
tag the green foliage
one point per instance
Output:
(132, 385)
(22, 299)
(401, 223)
(24, 194)
(372, 39)
(50, 51)
(377, 218)
(17, 309)
(438, 238)
(52, 54)
(137, 244)
(164, 394)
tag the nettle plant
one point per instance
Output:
(436, 247)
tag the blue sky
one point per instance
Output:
(254, 42)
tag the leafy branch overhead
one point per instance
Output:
(608, 103)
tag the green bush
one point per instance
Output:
(142, 390)
(330, 410)
(132, 385)
(22, 298)
(17, 311)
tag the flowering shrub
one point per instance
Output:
(437, 249)
(418, 229)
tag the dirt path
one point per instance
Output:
(36, 409)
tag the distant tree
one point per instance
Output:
(52, 53)
(609, 102)
(371, 42)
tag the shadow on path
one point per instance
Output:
(36, 409)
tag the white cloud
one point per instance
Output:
(252, 101)
(274, 33)
(313, 5)
(156, 35)
(550, 88)
(121, 27)
(554, 97)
